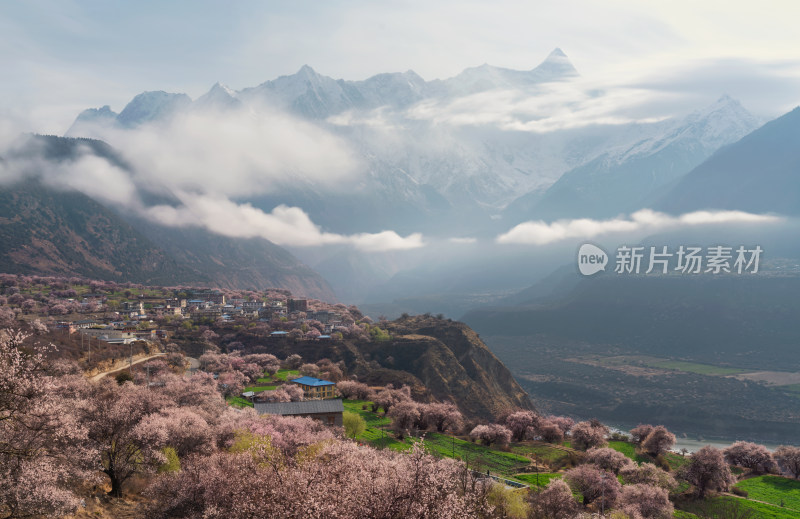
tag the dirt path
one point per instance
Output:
(97, 377)
(779, 507)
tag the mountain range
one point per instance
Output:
(470, 156)
(437, 159)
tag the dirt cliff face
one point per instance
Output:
(455, 364)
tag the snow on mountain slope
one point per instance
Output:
(474, 144)
(556, 67)
(628, 176)
(220, 97)
(91, 118)
(152, 106)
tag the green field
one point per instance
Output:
(477, 456)
(693, 367)
(279, 376)
(773, 489)
(268, 383)
(265, 383)
(675, 461)
(543, 478)
(375, 434)
(237, 401)
(629, 450)
(372, 419)
(663, 363)
(544, 453)
(259, 389)
(282, 374)
(760, 510)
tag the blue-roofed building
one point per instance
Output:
(315, 388)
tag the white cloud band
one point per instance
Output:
(542, 233)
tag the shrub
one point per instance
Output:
(586, 435)
(354, 424)
(123, 376)
(740, 492)
(173, 463)
(554, 502)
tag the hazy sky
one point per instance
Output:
(60, 56)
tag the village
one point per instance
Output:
(139, 318)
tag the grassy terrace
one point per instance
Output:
(628, 449)
(543, 478)
(264, 383)
(497, 460)
(759, 510)
(766, 493)
(665, 364)
(774, 490)
(477, 456)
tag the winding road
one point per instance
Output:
(97, 377)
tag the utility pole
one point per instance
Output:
(603, 494)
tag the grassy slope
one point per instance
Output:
(773, 489)
(264, 383)
(761, 510)
(478, 456)
(628, 449)
(543, 478)
(764, 488)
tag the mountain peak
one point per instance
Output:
(151, 106)
(725, 104)
(219, 87)
(103, 112)
(556, 66)
(306, 71)
(220, 96)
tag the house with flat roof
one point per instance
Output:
(315, 388)
(329, 412)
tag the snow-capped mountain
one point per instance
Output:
(220, 97)
(630, 176)
(458, 151)
(557, 67)
(152, 106)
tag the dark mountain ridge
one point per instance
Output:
(760, 173)
(52, 231)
